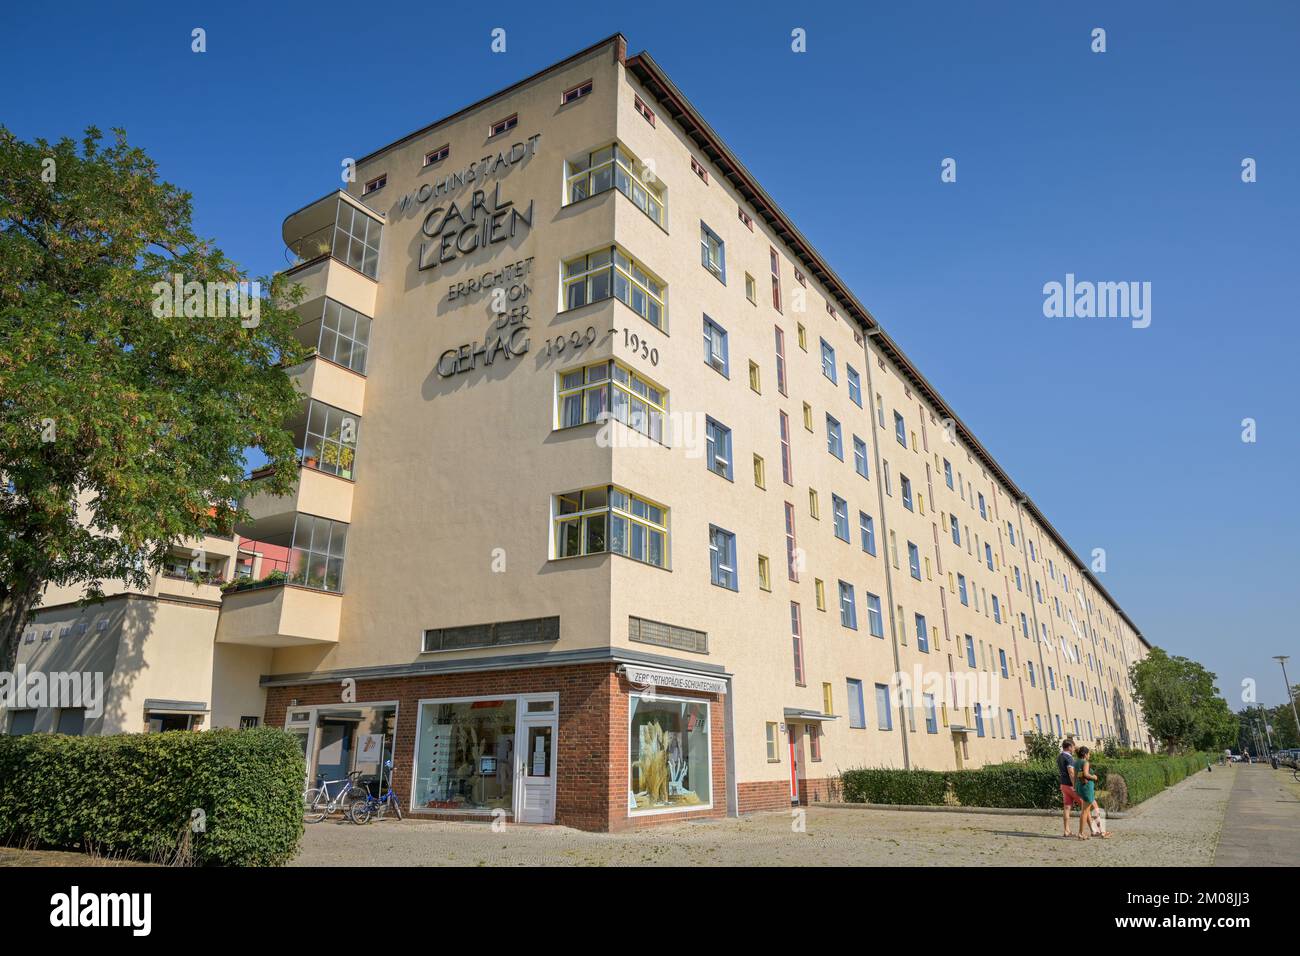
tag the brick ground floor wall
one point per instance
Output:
(593, 740)
(757, 796)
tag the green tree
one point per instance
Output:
(123, 429)
(1182, 705)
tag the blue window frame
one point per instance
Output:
(867, 526)
(914, 560)
(979, 721)
(1002, 662)
(970, 651)
(1011, 722)
(857, 707)
(855, 385)
(715, 347)
(828, 361)
(875, 621)
(1058, 725)
(1024, 624)
(884, 716)
(997, 611)
(717, 448)
(931, 718)
(840, 516)
(922, 635)
(900, 429)
(961, 589)
(848, 607)
(947, 472)
(1051, 677)
(905, 484)
(983, 513)
(834, 437)
(956, 530)
(1033, 681)
(1011, 534)
(988, 555)
(1018, 587)
(713, 253)
(1038, 592)
(722, 558)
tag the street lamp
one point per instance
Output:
(1282, 659)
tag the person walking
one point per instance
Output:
(1085, 785)
(1066, 776)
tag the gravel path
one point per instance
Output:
(1179, 827)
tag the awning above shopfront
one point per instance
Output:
(798, 715)
(653, 677)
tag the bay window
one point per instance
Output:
(612, 272)
(609, 519)
(611, 390)
(613, 167)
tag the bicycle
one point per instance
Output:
(318, 803)
(362, 810)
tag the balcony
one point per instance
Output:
(279, 615)
(332, 247)
(322, 380)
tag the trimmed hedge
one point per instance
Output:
(1012, 785)
(134, 794)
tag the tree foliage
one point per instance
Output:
(1182, 705)
(122, 430)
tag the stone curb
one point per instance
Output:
(998, 811)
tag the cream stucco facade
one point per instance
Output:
(441, 506)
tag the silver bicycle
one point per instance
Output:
(319, 802)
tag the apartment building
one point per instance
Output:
(616, 506)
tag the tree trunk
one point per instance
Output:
(16, 604)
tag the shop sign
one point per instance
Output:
(649, 677)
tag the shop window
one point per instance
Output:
(465, 756)
(669, 755)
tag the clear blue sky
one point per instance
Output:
(1117, 166)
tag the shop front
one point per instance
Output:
(339, 739)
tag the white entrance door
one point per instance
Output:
(535, 799)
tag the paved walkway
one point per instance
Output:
(1178, 827)
(1262, 827)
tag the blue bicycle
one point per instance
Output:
(362, 811)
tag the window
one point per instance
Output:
(330, 439)
(828, 361)
(867, 526)
(819, 589)
(575, 92)
(764, 573)
(828, 700)
(931, 719)
(905, 485)
(796, 631)
(611, 390)
(914, 560)
(857, 708)
(722, 558)
(900, 429)
(848, 607)
(1018, 587)
(780, 360)
(776, 285)
(807, 416)
(755, 380)
(884, 717)
(646, 113)
(666, 731)
(970, 651)
(613, 167)
(717, 448)
(961, 589)
(22, 722)
(815, 742)
(1002, 662)
(745, 218)
(72, 721)
(947, 472)
(814, 509)
(611, 272)
(376, 184)
(997, 611)
(840, 516)
(855, 385)
(791, 546)
(713, 253)
(699, 170)
(356, 239)
(979, 721)
(860, 456)
(834, 440)
(344, 337)
(922, 635)
(760, 475)
(988, 555)
(751, 289)
(983, 513)
(956, 530)
(803, 336)
(875, 621)
(773, 751)
(787, 473)
(608, 518)
(1051, 678)
(1011, 534)
(504, 126)
(715, 347)
(1033, 681)
(437, 155)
